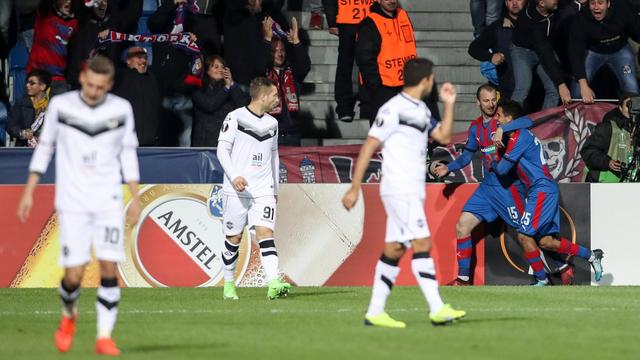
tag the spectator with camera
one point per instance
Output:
(211, 103)
(27, 115)
(599, 37)
(289, 67)
(609, 150)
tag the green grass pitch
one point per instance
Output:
(327, 323)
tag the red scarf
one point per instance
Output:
(286, 89)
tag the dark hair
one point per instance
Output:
(485, 87)
(258, 85)
(415, 70)
(510, 108)
(208, 64)
(101, 64)
(625, 96)
(43, 76)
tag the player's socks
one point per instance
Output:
(387, 271)
(269, 258)
(69, 296)
(533, 257)
(67, 328)
(464, 248)
(425, 272)
(107, 306)
(569, 248)
(229, 259)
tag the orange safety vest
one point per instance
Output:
(353, 11)
(397, 47)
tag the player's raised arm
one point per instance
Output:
(442, 133)
(366, 152)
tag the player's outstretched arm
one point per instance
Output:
(366, 152)
(442, 134)
(26, 201)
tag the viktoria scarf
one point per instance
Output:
(40, 107)
(179, 40)
(286, 89)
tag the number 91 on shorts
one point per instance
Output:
(240, 211)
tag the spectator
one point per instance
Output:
(55, 24)
(245, 48)
(607, 151)
(600, 37)
(26, 14)
(205, 26)
(28, 114)
(316, 21)
(343, 19)
(483, 14)
(218, 97)
(136, 84)
(96, 20)
(6, 9)
(532, 50)
(3, 124)
(493, 45)
(171, 66)
(287, 72)
(381, 51)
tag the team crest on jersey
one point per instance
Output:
(176, 242)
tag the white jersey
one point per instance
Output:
(254, 152)
(402, 125)
(95, 148)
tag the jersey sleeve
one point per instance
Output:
(47, 141)
(385, 124)
(524, 122)
(517, 146)
(129, 156)
(229, 129)
(469, 149)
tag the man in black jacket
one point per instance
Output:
(533, 49)
(600, 37)
(609, 147)
(141, 88)
(493, 45)
(92, 21)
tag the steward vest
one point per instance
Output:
(353, 11)
(397, 47)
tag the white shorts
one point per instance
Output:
(406, 220)
(260, 211)
(78, 231)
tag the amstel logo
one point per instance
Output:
(179, 239)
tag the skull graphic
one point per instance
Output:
(554, 152)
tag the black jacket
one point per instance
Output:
(496, 38)
(143, 92)
(211, 104)
(170, 64)
(538, 33)
(21, 116)
(596, 148)
(603, 37)
(118, 18)
(245, 50)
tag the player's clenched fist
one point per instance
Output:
(448, 93)
(350, 198)
(239, 184)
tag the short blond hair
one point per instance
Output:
(101, 65)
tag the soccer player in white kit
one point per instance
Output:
(93, 134)
(248, 153)
(402, 127)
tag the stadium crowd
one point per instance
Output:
(195, 68)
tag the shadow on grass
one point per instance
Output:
(493, 319)
(294, 294)
(148, 348)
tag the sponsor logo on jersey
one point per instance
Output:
(489, 149)
(256, 159)
(178, 240)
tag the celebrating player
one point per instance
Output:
(402, 127)
(95, 141)
(541, 217)
(497, 196)
(248, 153)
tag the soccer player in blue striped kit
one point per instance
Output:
(497, 196)
(541, 218)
